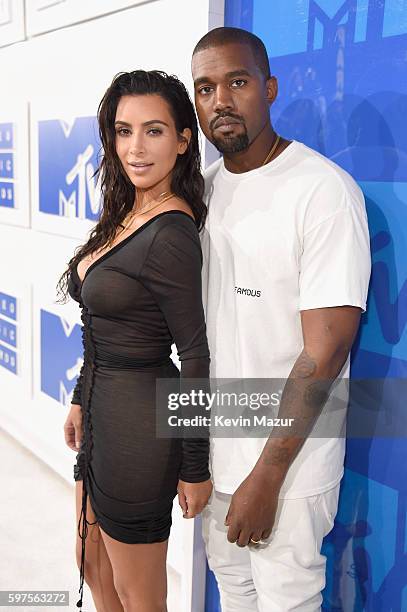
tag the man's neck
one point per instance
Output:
(257, 152)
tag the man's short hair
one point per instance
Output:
(223, 36)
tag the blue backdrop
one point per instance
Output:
(342, 74)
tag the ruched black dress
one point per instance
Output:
(136, 299)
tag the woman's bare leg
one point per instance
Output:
(139, 574)
(98, 570)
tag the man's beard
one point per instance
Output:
(235, 144)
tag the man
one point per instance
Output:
(286, 274)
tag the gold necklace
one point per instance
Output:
(272, 150)
(145, 208)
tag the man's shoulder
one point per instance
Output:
(326, 171)
(328, 190)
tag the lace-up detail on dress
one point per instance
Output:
(81, 469)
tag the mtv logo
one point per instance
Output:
(382, 337)
(296, 26)
(68, 159)
(61, 356)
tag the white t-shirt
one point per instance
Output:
(282, 238)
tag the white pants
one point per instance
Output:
(287, 573)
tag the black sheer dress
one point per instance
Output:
(136, 299)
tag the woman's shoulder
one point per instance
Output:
(173, 231)
(174, 226)
(178, 205)
(175, 216)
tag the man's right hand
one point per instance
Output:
(73, 427)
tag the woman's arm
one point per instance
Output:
(77, 392)
(172, 273)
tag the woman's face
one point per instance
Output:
(147, 142)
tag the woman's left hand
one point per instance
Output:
(193, 496)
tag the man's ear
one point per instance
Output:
(184, 140)
(271, 89)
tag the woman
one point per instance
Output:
(138, 281)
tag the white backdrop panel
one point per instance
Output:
(11, 21)
(46, 15)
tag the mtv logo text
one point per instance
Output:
(7, 164)
(8, 332)
(61, 356)
(313, 24)
(68, 158)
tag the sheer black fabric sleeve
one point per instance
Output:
(172, 273)
(77, 392)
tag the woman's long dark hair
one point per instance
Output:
(118, 192)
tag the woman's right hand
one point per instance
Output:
(193, 496)
(73, 427)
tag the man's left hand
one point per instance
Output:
(252, 511)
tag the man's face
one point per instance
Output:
(232, 96)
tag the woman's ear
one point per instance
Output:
(184, 140)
